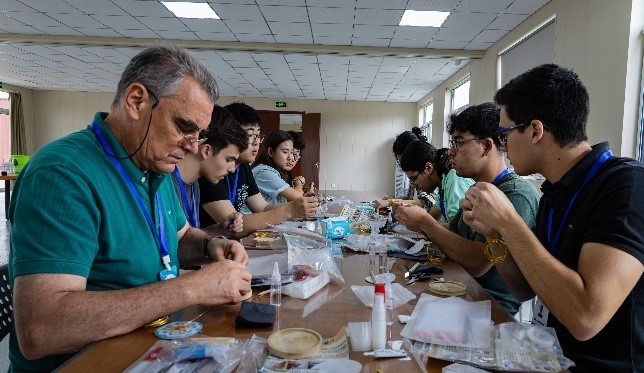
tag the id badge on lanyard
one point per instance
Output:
(540, 313)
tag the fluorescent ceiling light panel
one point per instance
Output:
(183, 9)
(427, 18)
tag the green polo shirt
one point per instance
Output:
(72, 213)
(525, 199)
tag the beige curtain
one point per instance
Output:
(18, 143)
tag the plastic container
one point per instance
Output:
(276, 286)
(378, 319)
(19, 161)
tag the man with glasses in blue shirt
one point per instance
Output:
(476, 153)
(584, 259)
(97, 230)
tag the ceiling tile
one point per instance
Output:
(374, 31)
(58, 30)
(455, 34)
(327, 29)
(282, 2)
(382, 4)
(331, 15)
(248, 27)
(75, 20)
(525, 6)
(436, 5)
(468, 20)
(237, 12)
(408, 43)
(489, 36)
(332, 3)
(370, 42)
(290, 28)
(483, 6)
(206, 25)
(49, 6)
(121, 22)
(33, 18)
(105, 8)
(285, 13)
(506, 21)
(138, 33)
(144, 8)
(163, 24)
(15, 6)
(478, 46)
(378, 17)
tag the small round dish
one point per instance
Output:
(384, 278)
(295, 343)
(178, 330)
(340, 365)
(447, 288)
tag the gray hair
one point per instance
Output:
(161, 69)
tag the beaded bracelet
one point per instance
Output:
(493, 255)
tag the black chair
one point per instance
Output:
(6, 298)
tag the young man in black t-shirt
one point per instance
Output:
(239, 192)
(585, 261)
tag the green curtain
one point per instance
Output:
(18, 143)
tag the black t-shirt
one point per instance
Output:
(610, 211)
(246, 187)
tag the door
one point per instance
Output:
(308, 166)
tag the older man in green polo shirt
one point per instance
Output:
(98, 231)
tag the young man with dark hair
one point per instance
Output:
(218, 151)
(474, 149)
(584, 259)
(239, 192)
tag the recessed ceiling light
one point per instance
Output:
(183, 9)
(428, 18)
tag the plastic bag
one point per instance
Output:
(304, 289)
(313, 254)
(450, 321)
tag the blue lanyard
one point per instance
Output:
(159, 235)
(441, 203)
(232, 192)
(500, 177)
(191, 208)
(553, 243)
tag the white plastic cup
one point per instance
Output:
(360, 335)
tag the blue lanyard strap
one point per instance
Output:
(191, 208)
(553, 243)
(159, 235)
(232, 191)
(441, 203)
(500, 177)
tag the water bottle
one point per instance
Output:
(276, 286)
(378, 318)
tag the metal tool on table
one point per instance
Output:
(419, 273)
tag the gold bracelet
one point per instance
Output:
(493, 255)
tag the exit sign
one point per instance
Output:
(280, 104)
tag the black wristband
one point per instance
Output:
(206, 241)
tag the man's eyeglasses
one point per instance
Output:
(455, 143)
(502, 133)
(191, 139)
(255, 137)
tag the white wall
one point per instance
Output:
(600, 41)
(355, 137)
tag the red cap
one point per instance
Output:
(380, 288)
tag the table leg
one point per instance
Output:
(7, 197)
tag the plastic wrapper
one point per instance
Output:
(365, 294)
(209, 354)
(304, 289)
(450, 321)
(304, 252)
(515, 347)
